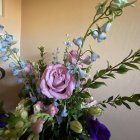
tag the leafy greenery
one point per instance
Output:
(118, 101)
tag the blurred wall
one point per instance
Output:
(11, 19)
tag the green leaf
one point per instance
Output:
(104, 105)
(122, 69)
(84, 95)
(126, 105)
(136, 96)
(118, 102)
(132, 66)
(102, 72)
(110, 99)
(96, 85)
(137, 103)
(111, 75)
(137, 60)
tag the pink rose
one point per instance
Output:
(56, 82)
(52, 110)
(72, 56)
(37, 126)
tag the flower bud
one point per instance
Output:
(76, 126)
(24, 114)
(95, 111)
(19, 124)
(101, 37)
(106, 27)
(33, 118)
(94, 56)
(37, 126)
(52, 110)
(95, 34)
(78, 42)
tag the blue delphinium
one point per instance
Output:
(64, 112)
(78, 42)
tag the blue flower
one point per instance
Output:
(64, 112)
(94, 56)
(71, 69)
(97, 130)
(68, 43)
(78, 42)
(78, 83)
(15, 50)
(4, 44)
(95, 34)
(1, 28)
(33, 99)
(20, 80)
(3, 50)
(101, 37)
(9, 38)
(5, 58)
(23, 63)
(82, 73)
(12, 65)
(106, 27)
(16, 72)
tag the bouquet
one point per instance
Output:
(55, 99)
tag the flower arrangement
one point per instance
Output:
(55, 99)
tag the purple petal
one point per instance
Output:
(97, 130)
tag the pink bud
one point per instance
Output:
(37, 126)
(52, 110)
(39, 107)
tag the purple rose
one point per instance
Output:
(57, 83)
